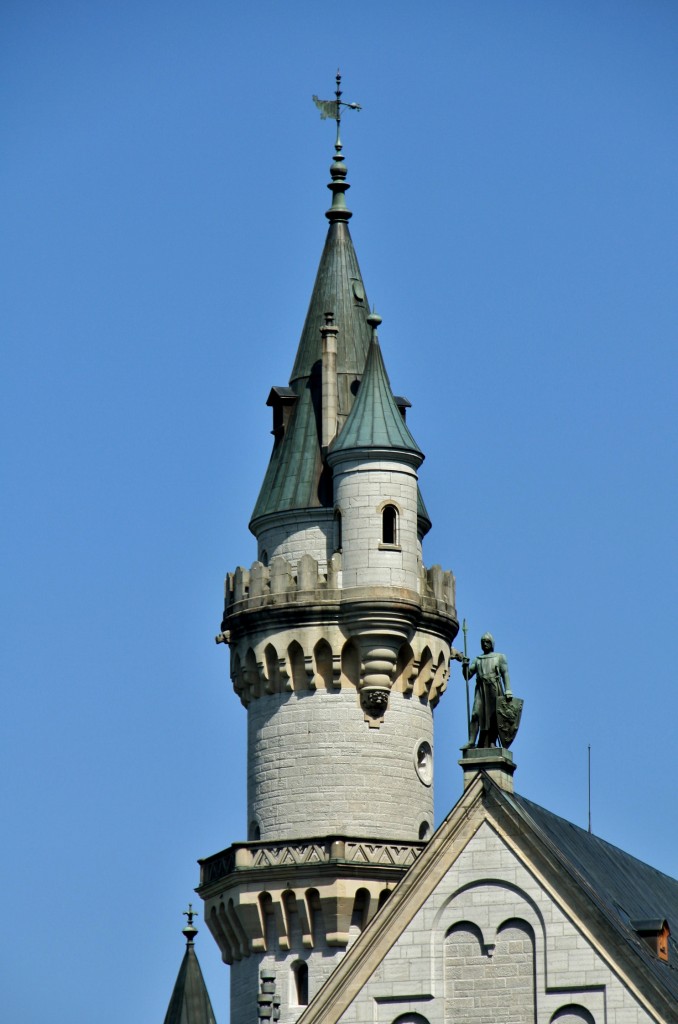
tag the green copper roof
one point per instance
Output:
(423, 517)
(190, 1002)
(375, 420)
(295, 478)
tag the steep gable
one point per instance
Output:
(492, 924)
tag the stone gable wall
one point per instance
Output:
(491, 945)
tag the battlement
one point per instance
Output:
(279, 583)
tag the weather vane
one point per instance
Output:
(332, 108)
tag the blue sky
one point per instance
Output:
(163, 188)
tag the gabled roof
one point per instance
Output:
(190, 1002)
(375, 421)
(596, 882)
(626, 889)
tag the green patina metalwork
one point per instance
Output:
(375, 420)
(297, 477)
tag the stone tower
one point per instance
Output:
(339, 644)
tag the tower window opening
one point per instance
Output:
(300, 982)
(338, 541)
(389, 525)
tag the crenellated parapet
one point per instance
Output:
(298, 629)
(280, 583)
(260, 896)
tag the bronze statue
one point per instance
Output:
(492, 686)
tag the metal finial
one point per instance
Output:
(338, 170)
(374, 319)
(337, 93)
(190, 931)
(332, 109)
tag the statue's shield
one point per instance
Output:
(508, 719)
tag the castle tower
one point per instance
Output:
(339, 644)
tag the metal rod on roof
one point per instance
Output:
(589, 787)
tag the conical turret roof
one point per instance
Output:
(295, 478)
(375, 421)
(190, 1002)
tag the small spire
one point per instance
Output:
(375, 420)
(190, 931)
(338, 170)
(190, 1001)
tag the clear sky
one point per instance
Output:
(162, 185)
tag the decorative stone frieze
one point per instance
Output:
(257, 893)
(328, 850)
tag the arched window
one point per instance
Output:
(383, 896)
(300, 982)
(572, 1014)
(389, 525)
(338, 541)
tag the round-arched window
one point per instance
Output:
(389, 524)
(300, 982)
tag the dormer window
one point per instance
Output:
(389, 525)
(655, 933)
(281, 400)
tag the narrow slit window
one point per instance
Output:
(300, 972)
(389, 525)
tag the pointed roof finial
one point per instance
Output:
(375, 421)
(374, 320)
(338, 170)
(190, 931)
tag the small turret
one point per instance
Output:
(374, 461)
(190, 1002)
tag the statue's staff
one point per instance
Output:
(464, 629)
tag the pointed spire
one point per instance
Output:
(190, 1002)
(296, 477)
(375, 421)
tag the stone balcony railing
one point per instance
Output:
(259, 896)
(330, 851)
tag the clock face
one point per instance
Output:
(423, 762)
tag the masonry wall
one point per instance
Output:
(245, 981)
(294, 534)
(361, 489)
(316, 768)
(491, 945)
